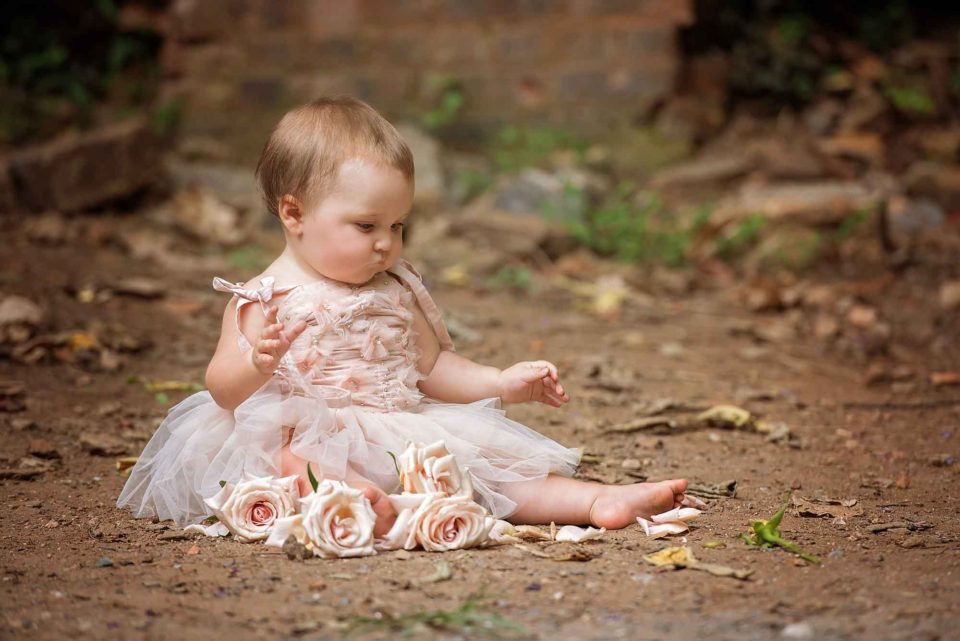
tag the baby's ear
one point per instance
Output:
(290, 212)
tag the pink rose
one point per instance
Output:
(426, 469)
(335, 521)
(250, 508)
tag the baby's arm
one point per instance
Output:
(455, 379)
(234, 375)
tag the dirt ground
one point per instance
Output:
(76, 567)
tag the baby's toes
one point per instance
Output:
(383, 508)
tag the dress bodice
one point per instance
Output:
(359, 338)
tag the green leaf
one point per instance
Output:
(395, 464)
(161, 397)
(222, 482)
(313, 479)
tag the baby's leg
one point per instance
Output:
(291, 464)
(571, 502)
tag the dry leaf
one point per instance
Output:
(821, 508)
(125, 464)
(680, 557)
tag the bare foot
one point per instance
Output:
(386, 513)
(618, 506)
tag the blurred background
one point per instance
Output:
(692, 143)
(681, 203)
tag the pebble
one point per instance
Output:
(800, 630)
(104, 562)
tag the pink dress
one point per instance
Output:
(345, 394)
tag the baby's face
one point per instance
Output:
(356, 230)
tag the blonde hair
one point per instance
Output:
(308, 145)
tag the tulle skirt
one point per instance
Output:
(200, 444)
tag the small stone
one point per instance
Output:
(104, 562)
(295, 550)
(305, 626)
(102, 444)
(939, 379)
(43, 448)
(631, 464)
(19, 317)
(23, 424)
(862, 316)
(942, 460)
(950, 295)
(800, 630)
(139, 287)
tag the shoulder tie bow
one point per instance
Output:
(262, 295)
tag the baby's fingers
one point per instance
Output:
(292, 333)
(550, 367)
(551, 399)
(533, 373)
(263, 360)
(271, 331)
(268, 345)
(554, 388)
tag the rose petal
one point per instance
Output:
(283, 528)
(676, 514)
(216, 502)
(395, 538)
(214, 529)
(692, 501)
(575, 534)
(658, 530)
(503, 532)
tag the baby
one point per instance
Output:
(345, 357)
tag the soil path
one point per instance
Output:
(76, 567)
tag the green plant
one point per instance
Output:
(470, 183)
(801, 252)
(766, 533)
(467, 618)
(449, 101)
(509, 277)
(58, 59)
(886, 25)
(630, 231)
(773, 56)
(849, 225)
(910, 99)
(744, 234)
(518, 147)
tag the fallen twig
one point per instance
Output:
(908, 525)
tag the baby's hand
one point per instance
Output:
(532, 381)
(274, 342)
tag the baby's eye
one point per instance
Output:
(396, 226)
(364, 226)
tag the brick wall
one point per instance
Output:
(237, 65)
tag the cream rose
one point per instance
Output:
(335, 521)
(428, 469)
(443, 523)
(250, 508)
